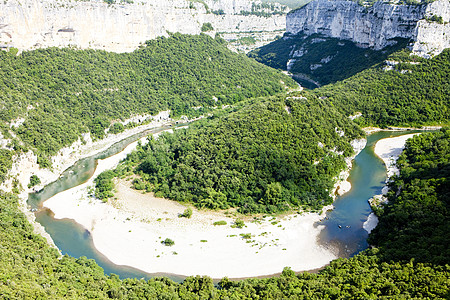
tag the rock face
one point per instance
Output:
(123, 26)
(376, 26)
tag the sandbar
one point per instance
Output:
(129, 230)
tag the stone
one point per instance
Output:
(376, 26)
(122, 27)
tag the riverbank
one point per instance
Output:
(389, 150)
(370, 130)
(129, 230)
(342, 185)
(26, 164)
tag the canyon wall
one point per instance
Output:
(124, 25)
(376, 26)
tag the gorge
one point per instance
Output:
(376, 25)
(123, 26)
(237, 193)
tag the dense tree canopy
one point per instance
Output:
(416, 221)
(415, 92)
(64, 92)
(410, 91)
(269, 155)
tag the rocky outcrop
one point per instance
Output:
(376, 26)
(123, 26)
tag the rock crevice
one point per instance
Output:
(427, 25)
(122, 27)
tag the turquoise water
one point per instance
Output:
(344, 224)
(351, 210)
(70, 237)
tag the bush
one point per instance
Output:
(220, 223)
(207, 27)
(116, 128)
(186, 214)
(168, 242)
(104, 185)
(238, 224)
(34, 180)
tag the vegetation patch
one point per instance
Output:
(238, 223)
(176, 73)
(186, 214)
(104, 185)
(34, 180)
(168, 242)
(218, 223)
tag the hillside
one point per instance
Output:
(415, 223)
(406, 90)
(51, 96)
(30, 268)
(316, 60)
(271, 155)
(328, 41)
(293, 163)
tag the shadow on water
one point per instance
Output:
(344, 225)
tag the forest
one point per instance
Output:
(62, 93)
(270, 155)
(281, 153)
(413, 92)
(322, 59)
(416, 92)
(392, 270)
(271, 151)
(415, 223)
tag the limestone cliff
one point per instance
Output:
(376, 26)
(124, 25)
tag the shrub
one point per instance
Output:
(186, 214)
(220, 223)
(34, 180)
(207, 27)
(238, 223)
(168, 242)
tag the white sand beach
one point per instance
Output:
(129, 231)
(388, 149)
(25, 164)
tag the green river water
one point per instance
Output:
(343, 225)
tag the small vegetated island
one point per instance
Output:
(272, 151)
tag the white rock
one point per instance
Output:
(375, 26)
(122, 27)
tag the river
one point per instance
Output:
(343, 225)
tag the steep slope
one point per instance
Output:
(376, 26)
(415, 223)
(122, 26)
(327, 41)
(406, 90)
(271, 155)
(317, 60)
(50, 97)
